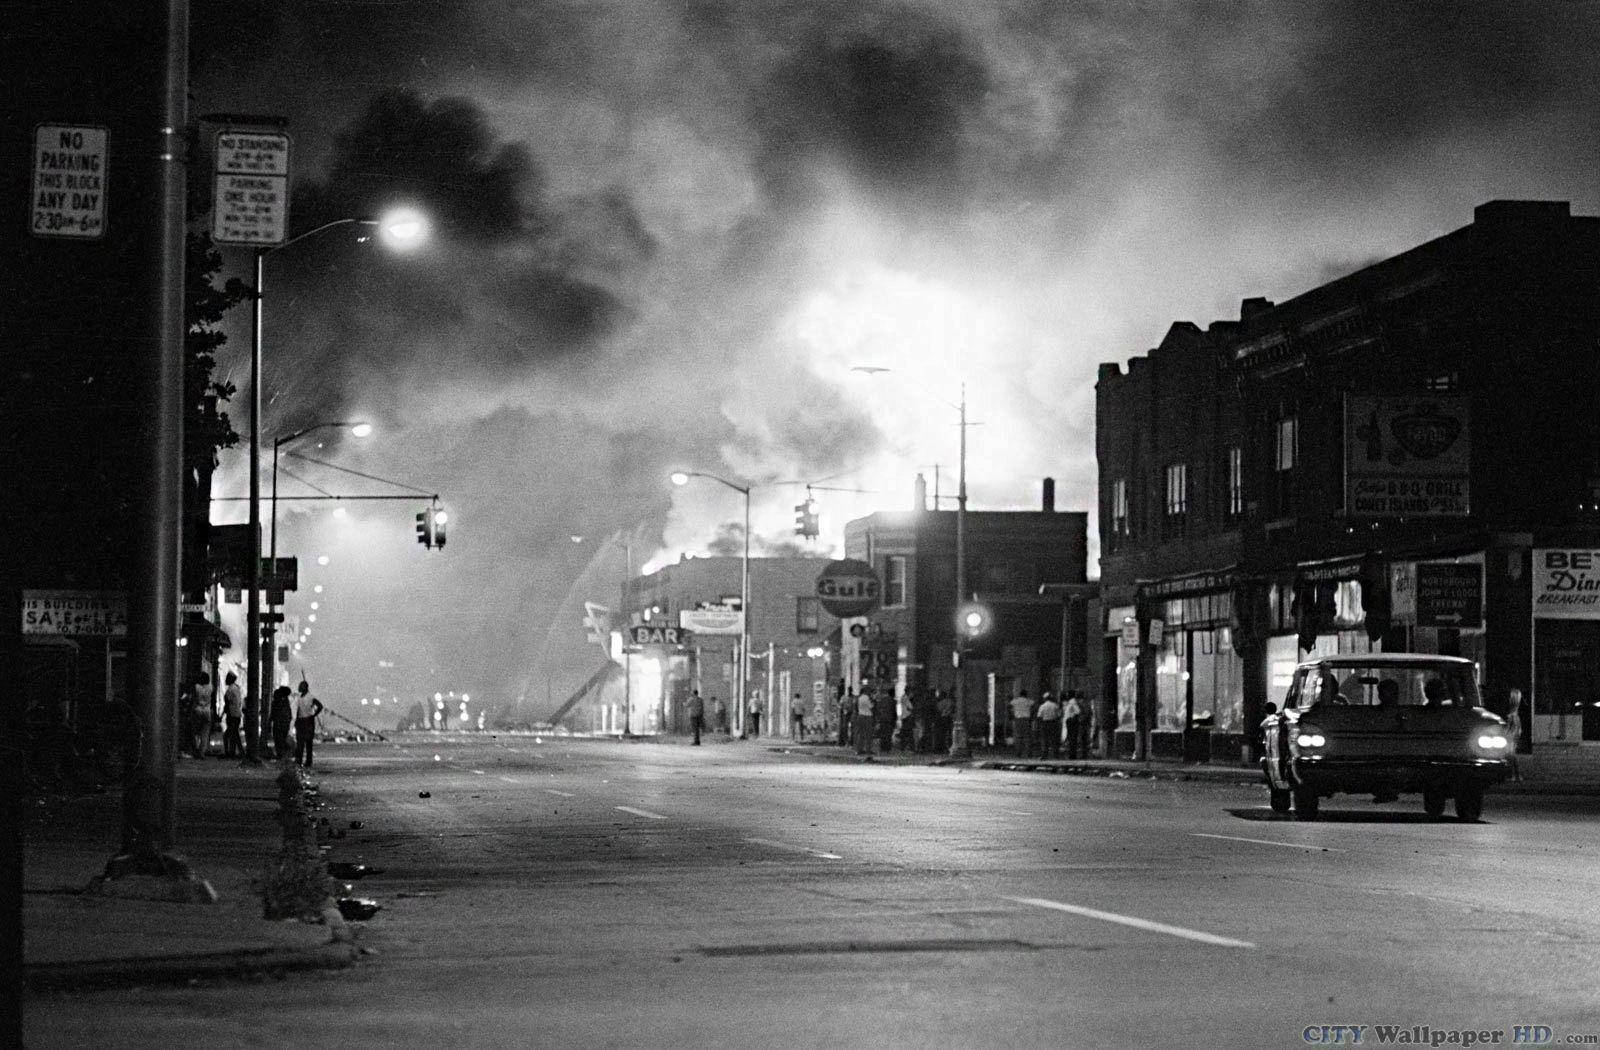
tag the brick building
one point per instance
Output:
(1406, 458)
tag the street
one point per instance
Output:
(573, 892)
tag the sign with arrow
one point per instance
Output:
(1449, 594)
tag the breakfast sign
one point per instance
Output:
(1406, 457)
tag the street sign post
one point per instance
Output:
(250, 200)
(69, 181)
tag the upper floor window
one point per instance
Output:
(1235, 506)
(1177, 489)
(1288, 449)
(894, 581)
(1443, 383)
(1119, 507)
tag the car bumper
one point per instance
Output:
(1327, 773)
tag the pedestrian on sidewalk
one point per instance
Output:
(754, 711)
(861, 732)
(1072, 715)
(697, 715)
(945, 720)
(719, 713)
(883, 712)
(232, 717)
(199, 709)
(1022, 723)
(306, 710)
(1049, 727)
(847, 715)
(1514, 728)
(281, 715)
(797, 711)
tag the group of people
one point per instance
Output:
(1039, 727)
(870, 718)
(198, 707)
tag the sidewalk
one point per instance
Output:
(1536, 780)
(228, 829)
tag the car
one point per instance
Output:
(1385, 724)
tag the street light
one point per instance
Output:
(402, 228)
(958, 731)
(742, 665)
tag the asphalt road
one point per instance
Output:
(575, 893)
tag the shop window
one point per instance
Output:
(894, 581)
(1288, 444)
(807, 615)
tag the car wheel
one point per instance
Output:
(1433, 800)
(1469, 804)
(1305, 803)
(1279, 799)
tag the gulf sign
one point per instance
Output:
(849, 588)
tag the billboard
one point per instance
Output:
(1407, 456)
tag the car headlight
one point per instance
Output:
(1311, 740)
(1492, 741)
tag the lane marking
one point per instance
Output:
(1017, 812)
(563, 794)
(1133, 921)
(638, 812)
(1268, 842)
(478, 772)
(794, 849)
(509, 780)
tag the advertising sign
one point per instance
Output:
(1406, 457)
(250, 202)
(77, 614)
(644, 634)
(849, 588)
(1566, 584)
(711, 621)
(1449, 595)
(69, 182)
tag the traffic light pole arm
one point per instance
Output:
(744, 489)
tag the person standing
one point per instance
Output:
(201, 709)
(797, 711)
(944, 720)
(306, 710)
(697, 715)
(1072, 714)
(861, 732)
(1514, 728)
(883, 712)
(719, 713)
(281, 715)
(1021, 723)
(232, 717)
(1049, 727)
(754, 710)
(847, 715)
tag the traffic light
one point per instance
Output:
(425, 528)
(440, 520)
(805, 519)
(974, 620)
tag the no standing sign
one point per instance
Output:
(250, 203)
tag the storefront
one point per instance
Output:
(1566, 626)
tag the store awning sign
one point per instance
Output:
(1566, 584)
(711, 621)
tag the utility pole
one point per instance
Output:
(958, 732)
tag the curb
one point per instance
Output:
(187, 969)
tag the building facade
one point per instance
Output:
(1405, 459)
(908, 642)
(792, 643)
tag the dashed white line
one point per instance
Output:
(794, 849)
(509, 780)
(478, 772)
(563, 794)
(1268, 842)
(1135, 922)
(638, 812)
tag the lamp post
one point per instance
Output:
(741, 666)
(959, 747)
(402, 228)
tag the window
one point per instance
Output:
(1288, 443)
(894, 581)
(1119, 507)
(1443, 383)
(1235, 506)
(807, 616)
(1177, 489)
(1177, 500)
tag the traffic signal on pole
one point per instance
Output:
(425, 528)
(440, 520)
(805, 520)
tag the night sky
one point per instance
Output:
(664, 232)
